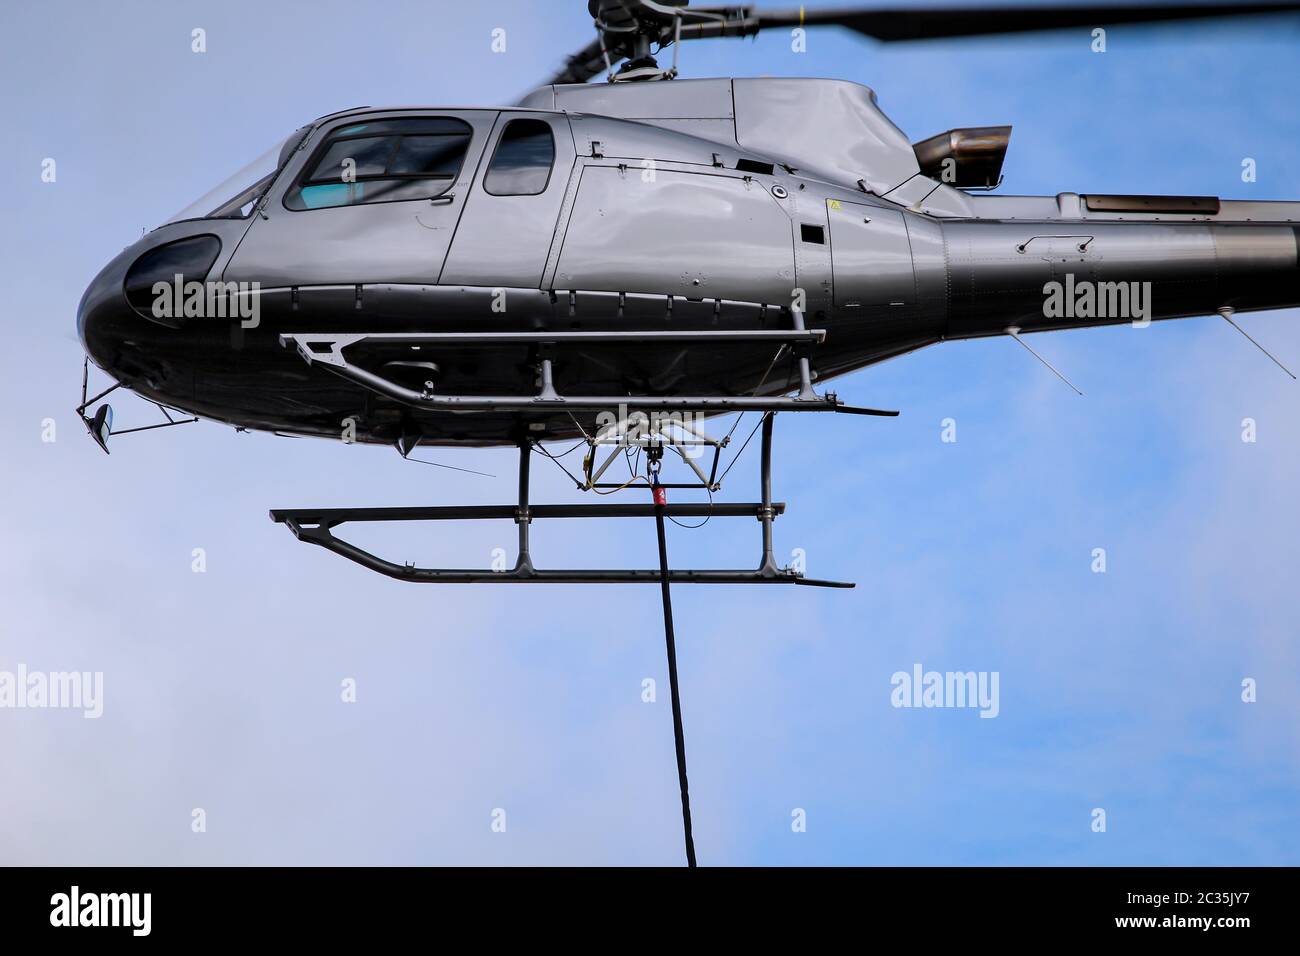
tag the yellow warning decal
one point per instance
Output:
(833, 203)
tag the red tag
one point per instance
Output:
(661, 495)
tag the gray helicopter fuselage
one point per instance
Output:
(670, 206)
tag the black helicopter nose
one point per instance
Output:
(121, 306)
(104, 313)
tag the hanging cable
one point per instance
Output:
(679, 740)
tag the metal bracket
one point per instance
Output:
(653, 434)
(100, 425)
(328, 351)
(1080, 246)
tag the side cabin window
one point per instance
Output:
(383, 161)
(521, 165)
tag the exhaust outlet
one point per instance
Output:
(966, 157)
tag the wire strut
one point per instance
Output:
(679, 740)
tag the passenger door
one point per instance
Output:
(370, 199)
(695, 235)
(510, 217)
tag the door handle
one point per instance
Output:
(444, 200)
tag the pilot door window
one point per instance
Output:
(384, 161)
(521, 165)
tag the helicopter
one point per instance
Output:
(618, 262)
(648, 248)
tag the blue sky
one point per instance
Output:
(1119, 691)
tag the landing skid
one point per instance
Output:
(316, 526)
(330, 351)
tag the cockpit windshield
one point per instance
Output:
(236, 196)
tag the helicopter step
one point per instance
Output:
(316, 526)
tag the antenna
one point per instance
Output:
(1228, 312)
(410, 440)
(1014, 332)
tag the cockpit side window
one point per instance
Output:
(384, 161)
(521, 165)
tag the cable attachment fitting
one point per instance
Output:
(654, 459)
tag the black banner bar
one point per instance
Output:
(333, 906)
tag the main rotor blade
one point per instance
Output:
(899, 23)
(921, 23)
(581, 66)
